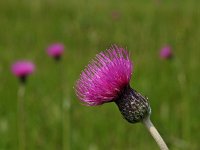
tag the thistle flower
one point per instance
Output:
(107, 79)
(166, 52)
(22, 69)
(55, 50)
(115, 15)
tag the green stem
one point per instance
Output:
(153, 131)
(64, 115)
(69, 124)
(21, 117)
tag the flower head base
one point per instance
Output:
(166, 53)
(22, 69)
(132, 105)
(55, 50)
(106, 79)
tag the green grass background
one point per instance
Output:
(27, 27)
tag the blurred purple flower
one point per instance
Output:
(115, 15)
(104, 78)
(166, 52)
(22, 68)
(55, 50)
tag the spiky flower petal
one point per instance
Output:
(105, 77)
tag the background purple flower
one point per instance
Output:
(166, 52)
(55, 50)
(22, 68)
(115, 15)
(104, 78)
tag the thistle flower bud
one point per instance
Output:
(133, 106)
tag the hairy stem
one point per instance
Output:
(153, 131)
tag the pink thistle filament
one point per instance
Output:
(166, 52)
(55, 50)
(22, 68)
(105, 77)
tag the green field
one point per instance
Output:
(27, 27)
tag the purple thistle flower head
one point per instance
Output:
(166, 52)
(22, 69)
(55, 50)
(106, 79)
